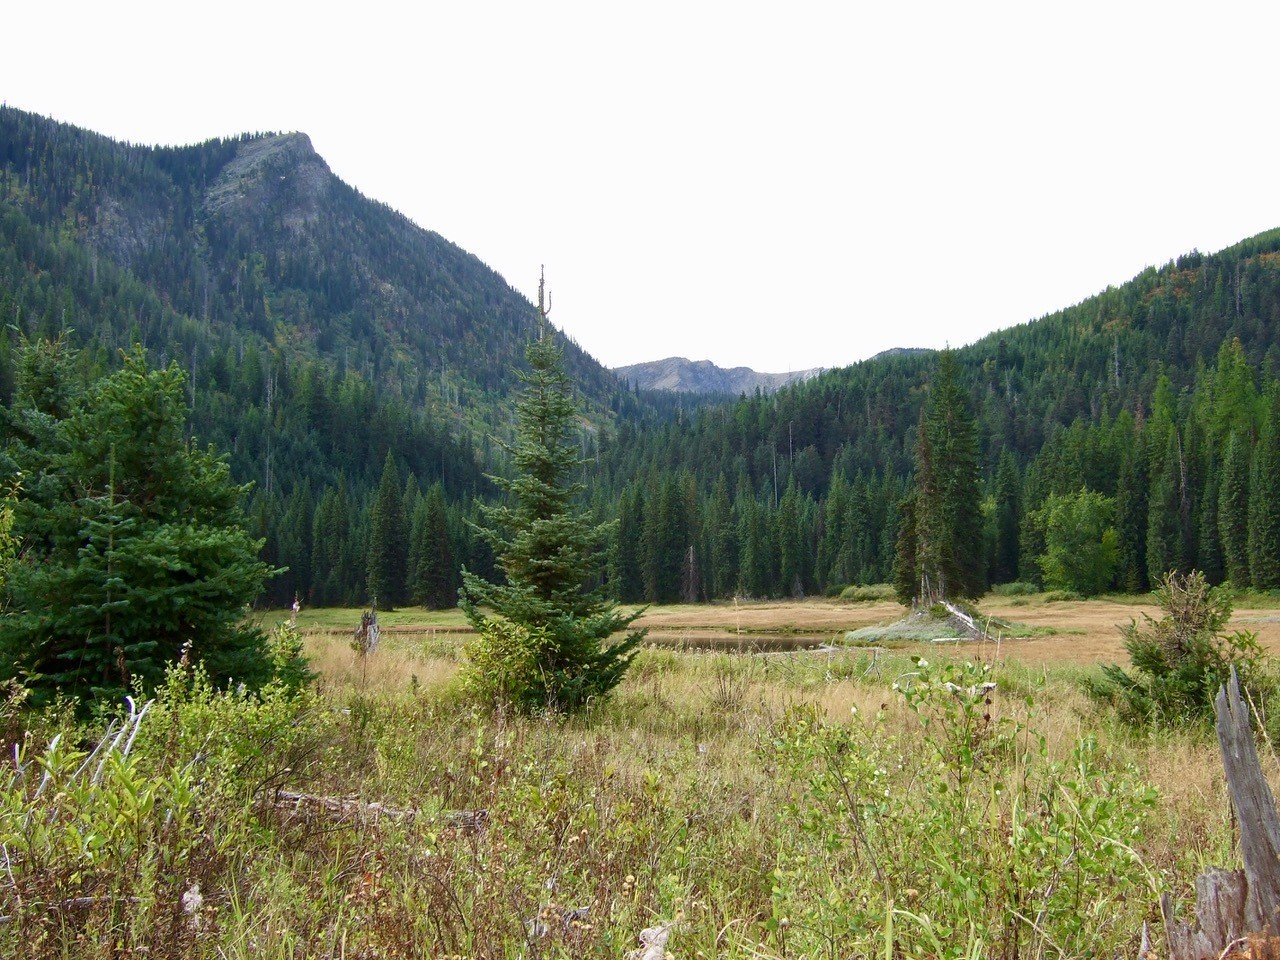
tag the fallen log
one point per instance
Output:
(352, 808)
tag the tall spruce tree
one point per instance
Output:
(1233, 511)
(1264, 503)
(722, 540)
(1131, 520)
(547, 628)
(1004, 566)
(432, 564)
(388, 548)
(625, 574)
(1168, 540)
(948, 511)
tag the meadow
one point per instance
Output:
(928, 800)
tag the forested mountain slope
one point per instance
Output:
(798, 490)
(321, 330)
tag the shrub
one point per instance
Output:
(1019, 588)
(1180, 660)
(865, 593)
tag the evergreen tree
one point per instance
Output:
(722, 541)
(545, 630)
(1233, 511)
(1008, 520)
(134, 546)
(906, 579)
(625, 574)
(432, 563)
(1167, 515)
(388, 547)
(948, 512)
(1131, 521)
(1208, 544)
(790, 544)
(1264, 504)
(834, 547)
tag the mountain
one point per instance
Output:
(321, 330)
(255, 234)
(702, 376)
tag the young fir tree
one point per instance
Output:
(134, 546)
(948, 512)
(544, 634)
(1233, 511)
(388, 548)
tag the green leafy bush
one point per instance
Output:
(110, 835)
(1180, 660)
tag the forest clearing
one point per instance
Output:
(1076, 632)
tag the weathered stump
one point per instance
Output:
(1237, 911)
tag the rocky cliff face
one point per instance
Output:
(702, 376)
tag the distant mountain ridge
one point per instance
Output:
(681, 375)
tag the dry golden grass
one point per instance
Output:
(395, 666)
(1084, 632)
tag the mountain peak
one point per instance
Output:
(268, 168)
(682, 375)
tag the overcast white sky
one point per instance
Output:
(782, 186)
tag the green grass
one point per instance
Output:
(348, 618)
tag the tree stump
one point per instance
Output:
(1237, 911)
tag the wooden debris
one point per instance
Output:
(653, 943)
(1237, 911)
(352, 808)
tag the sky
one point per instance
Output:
(781, 186)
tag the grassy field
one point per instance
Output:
(1080, 632)
(840, 804)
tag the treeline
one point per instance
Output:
(1193, 485)
(828, 461)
